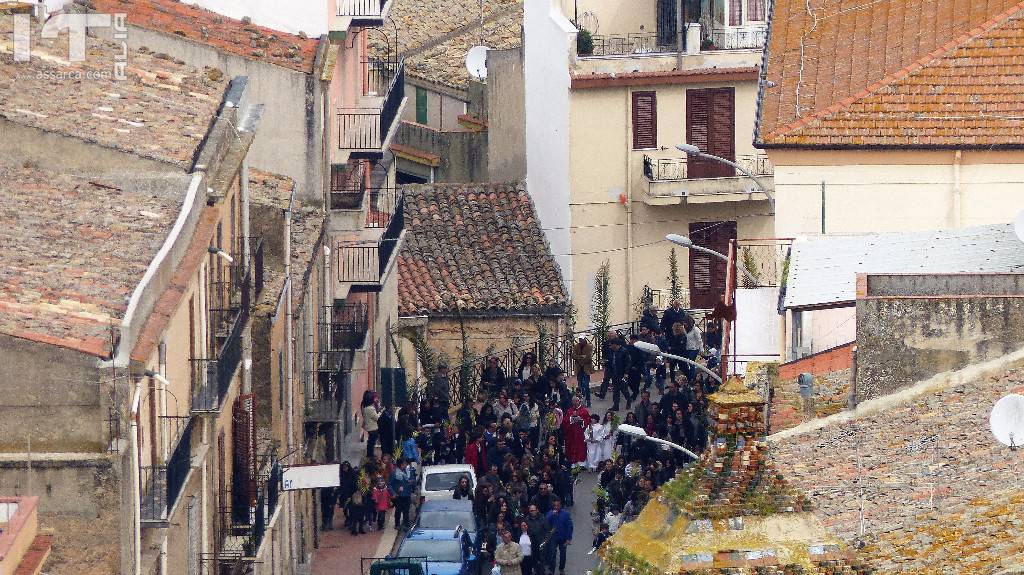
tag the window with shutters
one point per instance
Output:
(645, 120)
(421, 106)
(755, 10)
(707, 274)
(711, 126)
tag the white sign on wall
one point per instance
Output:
(310, 476)
(757, 326)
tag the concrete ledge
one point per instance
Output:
(928, 386)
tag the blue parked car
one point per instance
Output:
(440, 551)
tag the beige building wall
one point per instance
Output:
(613, 16)
(443, 108)
(895, 190)
(605, 170)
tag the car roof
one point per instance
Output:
(446, 505)
(434, 535)
(448, 468)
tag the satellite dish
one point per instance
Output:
(1007, 420)
(476, 62)
(1018, 226)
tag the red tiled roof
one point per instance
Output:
(894, 73)
(480, 243)
(225, 34)
(81, 250)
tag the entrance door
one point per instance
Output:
(707, 273)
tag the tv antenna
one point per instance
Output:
(1007, 420)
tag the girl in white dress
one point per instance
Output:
(609, 436)
(595, 435)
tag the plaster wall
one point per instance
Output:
(605, 169)
(549, 42)
(506, 116)
(895, 190)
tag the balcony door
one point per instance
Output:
(711, 126)
(707, 274)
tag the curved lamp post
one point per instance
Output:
(691, 150)
(640, 433)
(655, 350)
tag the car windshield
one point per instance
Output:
(447, 520)
(439, 551)
(443, 481)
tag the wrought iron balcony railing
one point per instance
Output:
(363, 132)
(624, 44)
(348, 186)
(348, 324)
(326, 383)
(367, 263)
(161, 485)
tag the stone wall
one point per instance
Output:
(444, 336)
(463, 154)
(80, 500)
(506, 115)
(911, 327)
(940, 494)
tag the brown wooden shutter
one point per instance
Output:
(645, 120)
(698, 111)
(711, 126)
(735, 12)
(707, 274)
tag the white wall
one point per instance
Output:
(309, 16)
(549, 36)
(894, 191)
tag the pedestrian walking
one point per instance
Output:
(370, 415)
(509, 555)
(401, 486)
(560, 525)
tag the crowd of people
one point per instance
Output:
(528, 436)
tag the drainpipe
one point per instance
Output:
(290, 346)
(136, 474)
(247, 260)
(957, 192)
(629, 206)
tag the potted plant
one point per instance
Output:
(584, 42)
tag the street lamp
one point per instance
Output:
(691, 150)
(688, 244)
(639, 432)
(222, 254)
(653, 349)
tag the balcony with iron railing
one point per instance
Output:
(347, 324)
(366, 263)
(675, 180)
(360, 13)
(161, 485)
(325, 384)
(366, 130)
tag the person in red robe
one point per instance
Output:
(573, 424)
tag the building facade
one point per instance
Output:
(604, 112)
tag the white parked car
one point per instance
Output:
(439, 481)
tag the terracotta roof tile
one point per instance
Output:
(894, 73)
(162, 109)
(479, 243)
(225, 34)
(435, 35)
(74, 259)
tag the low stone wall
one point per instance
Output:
(911, 327)
(498, 334)
(830, 395)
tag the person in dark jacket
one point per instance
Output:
(673, 315)
(386, 431)
(492, 379)
(650, 320)
(560, 524)
(617, 368)
(348, 480)
(328, 499)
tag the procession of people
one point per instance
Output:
(528, 436)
